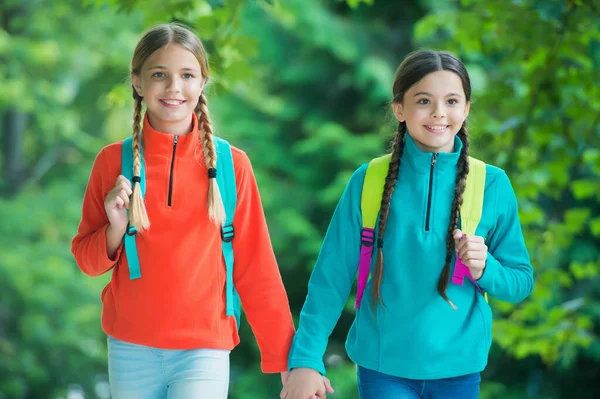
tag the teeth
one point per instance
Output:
(436, 127)
(172, 102)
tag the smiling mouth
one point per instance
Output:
(436, 128)
(172, 103)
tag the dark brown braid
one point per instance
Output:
(461, 182)
(388, 190)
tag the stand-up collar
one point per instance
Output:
(421, 161)
(156, 142)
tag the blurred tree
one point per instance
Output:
(535, 67)
(56, 62)
(304, 88)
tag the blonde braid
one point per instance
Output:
(138, 215)
(216, 210)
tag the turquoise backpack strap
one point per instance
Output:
(130, 236)
(228, 189)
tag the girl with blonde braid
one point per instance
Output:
(415, 336)
(168, 332)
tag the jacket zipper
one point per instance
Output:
(171, 174)
(433, 159)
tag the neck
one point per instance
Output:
(177, 128)
(448, 148)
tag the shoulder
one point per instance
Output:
(107, 165)
(241, 162)
(240, 158)
(242, 166)
(358, 177)
(496, 176)
(111, 153)
(498, 183)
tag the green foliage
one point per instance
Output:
(303, 87)
(536, 115)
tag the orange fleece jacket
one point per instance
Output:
(179, 302)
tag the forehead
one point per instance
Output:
(439, 83)
(173, 56)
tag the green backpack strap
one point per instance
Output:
(131, 233)
(372, 194)
(369, 205)
(373, 189)
(470, 216)
(472, 206)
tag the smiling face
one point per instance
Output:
(434, 110)
(170, 82)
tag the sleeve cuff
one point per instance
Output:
(307, 363)
(108, 262)
(273, 366)
(492, 268)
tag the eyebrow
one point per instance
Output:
(164, 67)
(423, 93)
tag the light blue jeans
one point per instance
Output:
(142, 372)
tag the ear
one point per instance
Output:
(203, 85)
(137, 84)
(399, 111)
(467, 109)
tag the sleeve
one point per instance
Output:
(89, 245)
(256, 274)
(331, 280)
(508, 274)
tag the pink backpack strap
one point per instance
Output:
(460, 271)
(364, 265)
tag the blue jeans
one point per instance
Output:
(376, 385)
(136, 371)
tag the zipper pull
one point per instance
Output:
(176, 138)
(435, 154)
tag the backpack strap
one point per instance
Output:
(470, 214)
(372, 193)
(472, 206)
(130, 234)
(370, 203)
(228, 190)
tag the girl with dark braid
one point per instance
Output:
(417, 336)
(168, 332)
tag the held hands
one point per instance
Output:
(117, 203)
(472, 252)
(305, 383)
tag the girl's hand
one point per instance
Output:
(117, 203)
(284, 377)
(472, 252)
(306, 383)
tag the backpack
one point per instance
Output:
(372, 194)
(227, 187)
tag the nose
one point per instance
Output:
(174, 85)
(439, 111)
